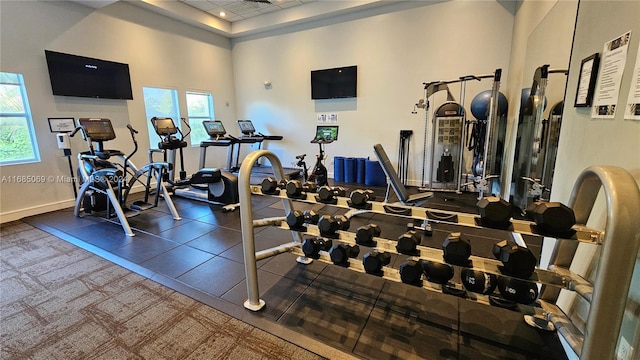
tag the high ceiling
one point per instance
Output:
(239, 10)
(251, 17)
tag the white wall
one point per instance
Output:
(160, 52)
(395, 53)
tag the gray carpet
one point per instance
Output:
(58, 301)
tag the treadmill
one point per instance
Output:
(217, 137)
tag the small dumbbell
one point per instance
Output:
(360, 198)
(328, 195)
(495, 212)
(408, 243)
(518, 261)
(311, 247)
(520, 291)
(411, 272)
(437, 272)
(270, 185)
(341, 253)
(366, 233)
(456, 249)
(552, 217)
(425, 227)
(374, 261)
(295, 188)
(296, 219)
(478, 281)
(328, 225)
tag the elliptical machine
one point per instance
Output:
(105, 185)
(210, 185)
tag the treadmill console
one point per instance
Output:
(214, 128)
(246, 127)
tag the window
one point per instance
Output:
(160, 103)
(199, 108)
(18, 143)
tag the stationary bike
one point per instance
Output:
(210, 185)
(319, 175)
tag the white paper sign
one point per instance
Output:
(632, 110)
(614, 58)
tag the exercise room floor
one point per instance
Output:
(325, 308)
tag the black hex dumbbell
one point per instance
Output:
(374, 261)
(518, 261)
(520, 291)
(328, 225)
(437, 272)
(456, 249)
(495, 212)
(341, 253)
(366, 233)
(296, 219)
(411, 272)
(328, 195)
(552, 217)
(408, 243)
(311, 247)
(478, 281)
(271, 186)
(359, 199)
(295, 188)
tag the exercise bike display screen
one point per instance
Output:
(164, 126)
(98, 129)
(214, 128)
(327, 133)
(246, 126)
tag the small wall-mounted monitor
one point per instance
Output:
(98, 129)
(246, 127)
(334, 83)
(327, 133)
(214, 128)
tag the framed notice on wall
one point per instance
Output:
(57, 125)
(587, 80)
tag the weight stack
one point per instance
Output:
(360, 170)
(350, 170)
(338, 168)
(374, 174)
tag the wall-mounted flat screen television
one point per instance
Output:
(334, 83)
(73, 75)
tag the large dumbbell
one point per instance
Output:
(478, 281)
(328, 225)
(328, 195)
(408, 242)
(360, 198)
(411, 272)
(438, 273)
(311, 247)
(271, 186)
(518, 261)
(295, 188)
(520, 291)
(456, 249)
(374, 261)
(296, 218)
(495, 212)
(552, 217)
(341, 253)
(366, 233)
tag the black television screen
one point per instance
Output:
(73, 75)
(334, 83)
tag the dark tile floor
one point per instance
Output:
(318, 306)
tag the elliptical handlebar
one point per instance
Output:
(184, 121)
(85, 137)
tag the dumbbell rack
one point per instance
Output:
(619, 242)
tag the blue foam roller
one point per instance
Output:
(360, 170)
(350, 170)
(338, 168)
(374, 174)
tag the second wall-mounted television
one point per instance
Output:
(334, 83)
(73, 75)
